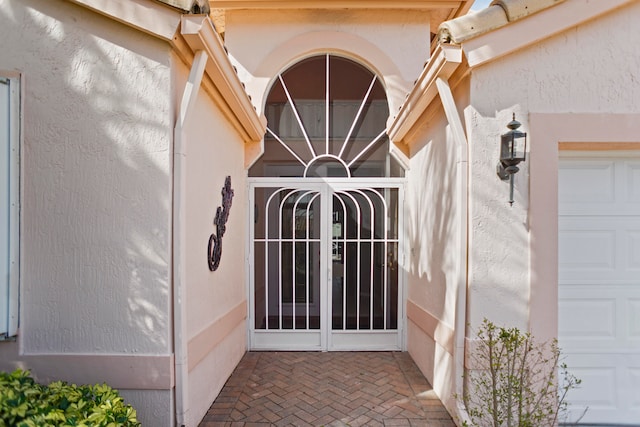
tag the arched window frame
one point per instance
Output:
(339, 151)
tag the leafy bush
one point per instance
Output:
(25, 403)
(514, 381)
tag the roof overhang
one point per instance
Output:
(228, 91)
(444, 61)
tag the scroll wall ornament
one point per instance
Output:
(214, 251)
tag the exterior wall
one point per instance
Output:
(578, 71)
(216, 304)
(436, 250)
(96, 201)
(393, 43)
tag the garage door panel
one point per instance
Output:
(599, 317)
(599, 248)
(633, 308)
(598, 388)
(587, 249)
(633, 240)
(599, 325)
(633, 181)
(599, 187)
(596, 416)
(634, 397)
(608, 388)
(587, 181)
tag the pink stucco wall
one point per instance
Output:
(215, 301)
(96, 201)
(435, 231)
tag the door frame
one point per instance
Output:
(299, 341)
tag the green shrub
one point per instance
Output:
(515, 381)
(25, 403)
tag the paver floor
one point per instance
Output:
(327, 389)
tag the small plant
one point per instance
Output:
(514, 381)
(25, 403)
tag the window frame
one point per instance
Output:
(9, 326)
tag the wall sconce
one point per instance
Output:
(513, 150)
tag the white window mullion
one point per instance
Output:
(371, 144)
(357, 117)
(297, 115)
(326, 120)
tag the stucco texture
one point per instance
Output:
(395, 44)
(435, 230)
(95, 197)
(95, 180)
(210, 157)
(579, 70)
(212, 150)
(432, 228)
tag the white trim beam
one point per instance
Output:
(187, 105)
(151, 17)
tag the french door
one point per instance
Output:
(324, 264)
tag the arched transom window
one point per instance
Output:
(326, 118)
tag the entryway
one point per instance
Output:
(326, 214)
(331, 389)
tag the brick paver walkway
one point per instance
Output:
(327, 389)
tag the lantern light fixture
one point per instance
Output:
(513, 150)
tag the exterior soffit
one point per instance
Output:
(340, 4)
(440, 10)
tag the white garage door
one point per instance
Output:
(599, 289)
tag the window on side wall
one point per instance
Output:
(9, 203)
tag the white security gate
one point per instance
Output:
(599, 284)
(324, 264)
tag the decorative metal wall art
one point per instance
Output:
(214, 250)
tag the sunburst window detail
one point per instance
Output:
(326, 118)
